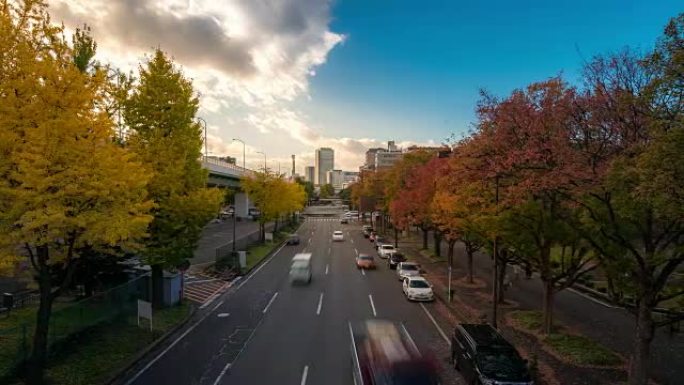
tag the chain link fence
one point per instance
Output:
(67, 320)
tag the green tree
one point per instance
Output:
(327, 191)
(160, 114)
(64, 185)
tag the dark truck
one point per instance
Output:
(383, 353)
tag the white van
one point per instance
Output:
(300, 270)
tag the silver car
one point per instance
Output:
(408, 269)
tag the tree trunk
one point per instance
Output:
(547, 324)
(450, 256)
(158, 286)
(40, 337)
(396, 237)
(438, 243)
(639, 363)
(425, 239)
(469, 252)
(275, 226)
(502, 279)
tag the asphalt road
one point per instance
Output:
(265, 331)
(217, 234)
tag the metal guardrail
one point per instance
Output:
(229, 166)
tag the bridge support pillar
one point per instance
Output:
(242, 205)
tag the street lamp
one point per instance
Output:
(243, 151)
(204, 122)
(262, 153)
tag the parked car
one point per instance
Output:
(395, 259)
(337, 236)
(483, 356)
(367, 230)
(365, 261)
(344, 221)
(372, 236)
(407, 269)
(254, 213)
(418, 289)
(293, 239)
(385, 250)
(379, 241)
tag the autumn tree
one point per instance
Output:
(64, 184)
(327, 191)
(633, 138)
(160, 115)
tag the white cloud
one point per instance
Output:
(248, 59)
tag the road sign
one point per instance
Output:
(145, 311)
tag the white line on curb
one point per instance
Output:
(217, 306)
(320, 304)
(270, 302)
(439, 329)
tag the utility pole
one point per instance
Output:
(293, 166)
(495, 291)
(243, 151)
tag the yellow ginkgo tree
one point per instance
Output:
(64, 184)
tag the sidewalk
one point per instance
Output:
(610, 326)
(216, 234)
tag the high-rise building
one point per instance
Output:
(309, 173)
(334, 177)
(324, 162)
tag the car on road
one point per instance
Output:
(395, 259)
(407, 269)
(366, 230)
(344, 221)
(337, 236)
(293, 239)
(418, 289)
(379, 241)
(365, 261)
(372, 236)
(385, 250)
(483, 356)
(254, 213)
(300, 269)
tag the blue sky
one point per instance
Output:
(411, 70)
(289, 76)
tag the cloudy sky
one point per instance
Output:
(288, 76)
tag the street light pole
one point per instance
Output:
(243, 151)
(204, 122)
(262, 153)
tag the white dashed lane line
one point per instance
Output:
(270, 302)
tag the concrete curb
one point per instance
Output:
(114, 378)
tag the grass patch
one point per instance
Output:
(582, 350)
(258, 252)
(93, 355)
(572, 348)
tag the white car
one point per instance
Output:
(385, 250)
(418, 289)
(408, 269)
(338, 236)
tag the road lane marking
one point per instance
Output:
(217, 306)
(320, 304)
(223, 372)
(259, 268)
(328, 250)
(222, 315)
(305, 374)
(357, 251)
(363, 271)
(372, 305)
(326, 269)
(270, 302)
(352, 240)
(434, 322)
(155, 359)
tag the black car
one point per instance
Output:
(379, 241)
(483, 356)
(343, 221)
(293, 239)
(394, 260)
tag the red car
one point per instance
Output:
(365, 261)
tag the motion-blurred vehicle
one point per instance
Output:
(344, 221)
(366, 230)
(407, 269)
(372, 236)
(383, 353)
(394, 259)
(418, 289)
(300, 270)
(254, 213)
(293, 239)
(337, 236)
(385, 250)
(365, 261)
(483, 356)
